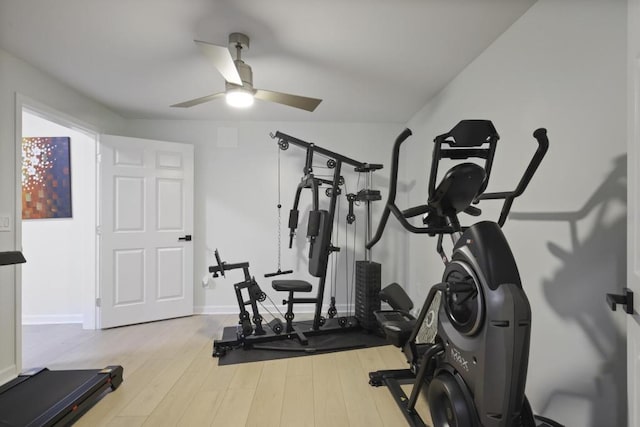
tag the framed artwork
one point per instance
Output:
(46, 177)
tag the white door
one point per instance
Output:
(633, 222)
(146, 222)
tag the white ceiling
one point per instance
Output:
(369, 60)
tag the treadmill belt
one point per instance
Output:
(48, 397)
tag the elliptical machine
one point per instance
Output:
(468, 349)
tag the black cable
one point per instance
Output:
(274, 306)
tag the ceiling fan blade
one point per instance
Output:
(221, 58)
(296, 101)
(199, 101)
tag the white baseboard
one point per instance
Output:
(298, 309)
(8, 373)
(48, 319)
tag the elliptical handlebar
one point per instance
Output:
(393, 186)
(543, 145)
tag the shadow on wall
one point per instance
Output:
(576, 292)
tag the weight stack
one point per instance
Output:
(367, 293)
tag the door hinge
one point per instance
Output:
(98, 158)
(98, 230)
(98, 302)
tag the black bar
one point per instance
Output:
(309, 349)
(415, 211)
(465, 153)
(215, 269)
(393, 185)
(305, 300)
(489, 162)
(332, 213)
(435, 157)
(300, 143)
(418, 230)
(308, 162)
(393, 379)
(422, 374)
(495, 196)
(278, 273)
(324, 181)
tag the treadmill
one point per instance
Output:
(41, 397)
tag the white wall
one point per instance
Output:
(561, 66)
(236, 198)
(17, 77)
(61, 251)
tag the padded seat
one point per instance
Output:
(291, 285)
(396, 325)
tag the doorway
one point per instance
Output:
(59, 278)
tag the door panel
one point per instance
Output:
(170, 215)
(170, 272)
(129, 277)
(129, 203)
(146, 272)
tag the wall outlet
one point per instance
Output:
(5, 222)
(205, 281)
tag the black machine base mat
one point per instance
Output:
(281, 349)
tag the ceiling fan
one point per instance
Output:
(239, 90)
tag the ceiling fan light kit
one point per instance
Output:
(239, 98)
(239, 91)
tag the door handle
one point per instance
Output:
(186, 238)
(625, 300)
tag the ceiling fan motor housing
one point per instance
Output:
(246, 75)
(240, 39)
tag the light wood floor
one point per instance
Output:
(170, 378)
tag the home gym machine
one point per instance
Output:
(473, 367)
(319, 233)
(41, 397)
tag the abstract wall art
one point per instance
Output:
(46, 177)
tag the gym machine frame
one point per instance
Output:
(320, 249)
(333, 192)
